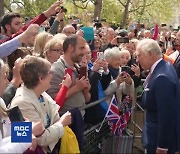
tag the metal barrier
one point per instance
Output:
(93, 139)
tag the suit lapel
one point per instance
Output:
(153, 74)
(150, 81)
(177, 59)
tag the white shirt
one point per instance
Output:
(154, 65)
(151, 70)
(174, 55)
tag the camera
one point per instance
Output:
(97, 24)
(142, 26)
(122, 40)
(128, 70)
(63, 9)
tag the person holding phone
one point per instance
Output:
(99, 81)
(132, 63)
(124, 83)
(36, 105)
(78, 94)
(5, 126)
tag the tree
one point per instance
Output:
(134, 6)
(84, 3)
(27, 7)
(1, 8)
(115, 11)
(112, 11)
(97, 9)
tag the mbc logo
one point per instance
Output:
(21, 128)
(21, 132)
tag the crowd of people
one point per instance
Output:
(50, 71)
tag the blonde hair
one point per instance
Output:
(126, 52)
(49, 45)
(40, 42)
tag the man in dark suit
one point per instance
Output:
(160, 100)
(177, 61)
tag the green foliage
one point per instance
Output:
(160, 11)
(86, 15)
(112, 11)
(29, 8)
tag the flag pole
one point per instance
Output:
(98, 130)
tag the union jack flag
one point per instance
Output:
(113, 117)
(117, 122)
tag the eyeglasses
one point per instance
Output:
(57, 50)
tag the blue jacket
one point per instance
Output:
(161, 100)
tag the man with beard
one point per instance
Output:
(78, 93)
(11, 24)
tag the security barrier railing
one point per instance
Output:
(93, 138)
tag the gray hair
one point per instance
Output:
(111, 53)
(149, 45)
(64, 30)
(125, 51)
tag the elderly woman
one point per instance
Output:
(5, 127)
(116, 60)
(54, 48)
(36, 104)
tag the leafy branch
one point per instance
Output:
(142, 6)
(84, 6)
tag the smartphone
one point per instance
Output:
(122, 40)
(94, 55)
(15, 114)
(128, 70)
(83, 72)
(100, 55)
(134, 61)
(41, 29)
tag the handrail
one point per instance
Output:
(95, 102)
